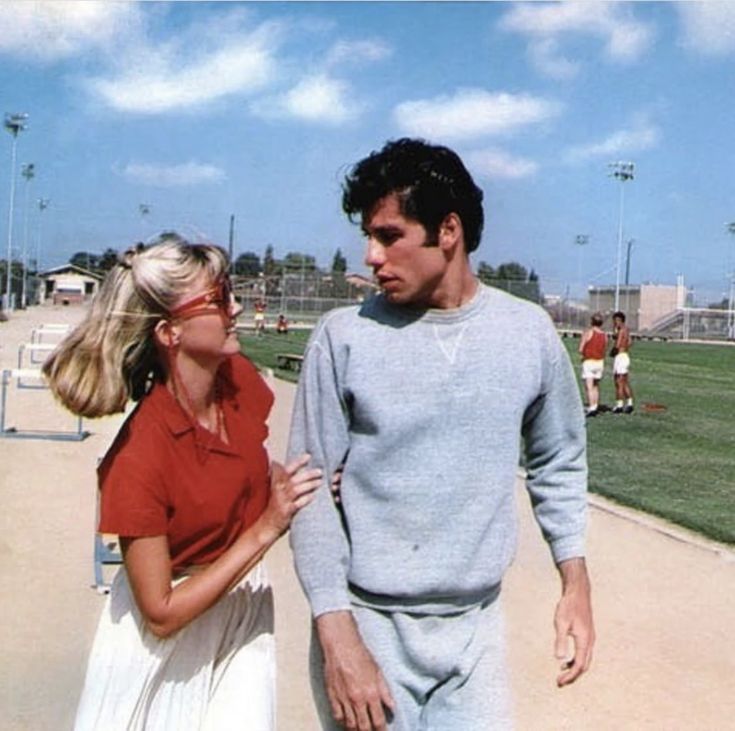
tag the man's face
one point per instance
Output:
(408, 271)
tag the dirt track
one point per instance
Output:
(664, 600)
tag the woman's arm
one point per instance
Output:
(167, 609)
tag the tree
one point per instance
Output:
(107, 260)
(512, 271)
(270, 265)
(485, 273)
(512, 277)
(339, 262)
(85, 260)
(298, 262)
(248, 264)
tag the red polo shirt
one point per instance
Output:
(165, 476)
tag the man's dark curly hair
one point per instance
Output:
(430, 181)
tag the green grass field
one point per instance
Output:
(678, 464)
(263, 349)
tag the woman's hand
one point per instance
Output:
(292, 487)
(336, 485)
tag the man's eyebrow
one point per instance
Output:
(386, 229)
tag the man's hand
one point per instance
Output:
(356, 688)
(573, 619)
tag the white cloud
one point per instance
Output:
(171, 176)
(495, 163)
(547, 58)
(708, 27)
(53, 29)
(472, 113)
(174, 77)
(318, 98)
(624, 37)
(642, 135)
(357, 52)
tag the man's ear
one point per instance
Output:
(451, 233)
(167, 334)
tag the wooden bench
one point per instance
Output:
(289, 361)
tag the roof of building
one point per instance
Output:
(64, 268)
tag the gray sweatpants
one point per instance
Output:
(445, 672)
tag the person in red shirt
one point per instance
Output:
(592, 349)
(186, 637)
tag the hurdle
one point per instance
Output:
(106, 553)
(49, 329)
(32, 348)
(11, 432)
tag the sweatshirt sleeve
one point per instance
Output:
(556, 460)
(319, 427)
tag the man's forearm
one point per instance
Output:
(573, 574)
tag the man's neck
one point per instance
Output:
(456, 289)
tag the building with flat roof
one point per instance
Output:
(643, 304)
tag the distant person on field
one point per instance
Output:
(592, 348)
(259, 317)
(428, 392)
(185, 639)
(621, 365)
(282, 325)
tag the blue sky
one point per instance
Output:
(202, 110)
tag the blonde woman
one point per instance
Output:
(185, 640)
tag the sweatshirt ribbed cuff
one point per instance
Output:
(329, 600)
(562, 549)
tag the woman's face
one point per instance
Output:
(205, 320)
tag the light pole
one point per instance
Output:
(14, 123)
(731, 299)
(580, 240)
(623, 171)
(627, 275)
(42, 206)
(145, 210)
(28, 171)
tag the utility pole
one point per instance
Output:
(28, 171)
(42, 206)
(14, 123)
(232, 241)
(580, 240)
(731, 299)
(622, 171)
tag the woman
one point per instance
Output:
(186, 637)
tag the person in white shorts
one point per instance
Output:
(592, 349)
(621, 365)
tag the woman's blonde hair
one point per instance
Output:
(111, 356)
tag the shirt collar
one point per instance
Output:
(171, 411)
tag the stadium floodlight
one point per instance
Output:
(14, 123)
(622, 171)
(28, 171)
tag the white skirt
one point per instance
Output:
(218, 672)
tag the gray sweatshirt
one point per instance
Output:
(429, 411)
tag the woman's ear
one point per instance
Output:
(167, 334)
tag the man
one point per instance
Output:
(592, 348)
(259, 317)
(621, 365)
(423, 393)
